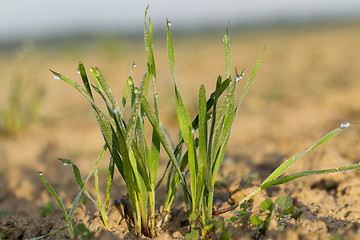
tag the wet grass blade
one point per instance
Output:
(170, 50)
(54, 194)
(227, 52)
(283, 167)
(74, 84)
(82, 72)
(308, 173)
(202, 145)
(109, 182)
(156, 125)
(100, 80)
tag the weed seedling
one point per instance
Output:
(281, 210)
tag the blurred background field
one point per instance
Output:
(306, 66)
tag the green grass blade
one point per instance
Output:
(135, 110)
(209, 164)
(202, 143)
(283, 167)
(74, 84)
(153, 164)
(54, 194)
(111, 138)
(214, 96)
(219, 121)
(109, 182)
(227, 52)
(156, 125)
(126, 92)
(78, 177)
(148, 34)
(183, 118)
(99, 204)
(251, 77)
(82, 72)
(98, 77)
(307, 173)
(170, 50)
(228, 122)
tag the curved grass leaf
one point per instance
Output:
(54, 194)
(74, 84)
(308, 173)
(82, 72)
(156, 125)
(283, 167)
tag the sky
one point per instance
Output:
(37, 18)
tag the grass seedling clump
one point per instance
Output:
(196, 157)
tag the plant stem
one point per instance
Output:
(209, 205)
(152, 213)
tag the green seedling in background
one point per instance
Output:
(48, 208)
(281, 210)
(23, 100)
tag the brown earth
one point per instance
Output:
(307, 85)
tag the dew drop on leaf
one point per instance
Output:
(40, 173)
(169, 23)
(134, 64)
(238, 78)
(345, 125)
(56, 77)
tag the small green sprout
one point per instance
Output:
(281, 210)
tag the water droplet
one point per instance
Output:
(129, 82)
(116, 111)
(169, 23)
(40, 173)
(65, 164)
(56, 77)
(192, 130)
(78, 72)
(136, 90)
(134, 64)
(156, 94)
(238, 78)
(345, 125)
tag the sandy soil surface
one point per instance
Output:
(307, 85)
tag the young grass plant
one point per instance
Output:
(205, 163)
(137, 160)
(125, 138)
